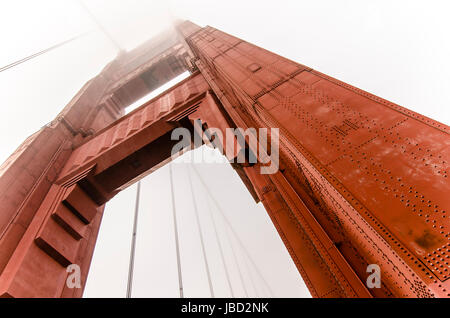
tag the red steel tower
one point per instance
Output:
(361, 180)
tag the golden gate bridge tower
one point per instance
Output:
(361, 180)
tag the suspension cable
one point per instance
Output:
(237, 263)
(250, 276)
(219, 243)
(6, 67)
(197, 218)
(177, 244)
(232, 230)
(100, 26)
(133, 242)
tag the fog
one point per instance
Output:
(397, 50)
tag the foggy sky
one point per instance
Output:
(397, 50)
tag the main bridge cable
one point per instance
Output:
(97, 23)
(133, 241)
(93, 18)
(177, 243)
(232, 229)
(6, 67)
(100, 26)
(197, 218)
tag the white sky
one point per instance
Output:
(155, 263)
(395, 49)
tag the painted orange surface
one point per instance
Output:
(361, 181)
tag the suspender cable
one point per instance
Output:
(251, 277)
(4, 68)
(237, 263)
(219, 243)
(133, 242)
(232, 230)
(177, 244)
(197, 218)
